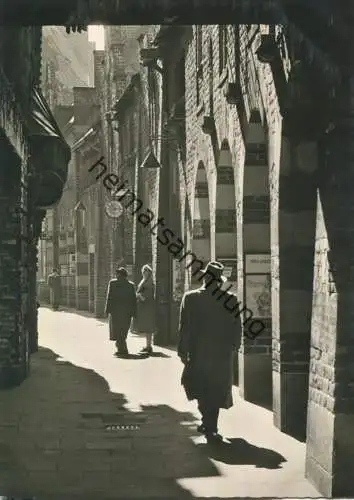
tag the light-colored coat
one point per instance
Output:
(146, 308)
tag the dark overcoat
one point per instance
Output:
(209, 335)
(121, 305)
(145, 321)
(54, 283)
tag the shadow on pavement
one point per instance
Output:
(69, 310)
(131, 356)
(238, 451)
(157, 354)
(64, 434)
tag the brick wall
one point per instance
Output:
(210, 66)
(65, 62)
(132, 143)
(329, 453)
(151, 98)
(17, 300)
(13, 277)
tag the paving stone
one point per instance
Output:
(59, 446)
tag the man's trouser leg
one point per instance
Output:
(210, 415)
(121, 341)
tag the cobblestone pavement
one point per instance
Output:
(88, 425)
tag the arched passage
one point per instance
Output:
(82, 274)
(201, 244)
(225, 216)
(255, 357)
(225, 222)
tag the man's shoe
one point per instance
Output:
(214, 437)
(146, 350)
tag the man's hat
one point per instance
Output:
(121, 271)
(215, 270)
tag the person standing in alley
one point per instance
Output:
(209, 335)
(54, 283)
(120, 308)
(145, 323)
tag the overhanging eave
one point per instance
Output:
(132, 12)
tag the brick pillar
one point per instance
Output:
(37, 217)
(32, 313)
(62, 255)
(81, 281)
(255, 356)
(102, 256)
(71, 251)
(14, 342)
(163, 263)
(330, 418)
(293, 240)
(56, 240)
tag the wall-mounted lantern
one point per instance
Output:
(267, 50)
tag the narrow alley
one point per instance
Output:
(88, 425)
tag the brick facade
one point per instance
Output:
(67, 61)
(248, 188)
(17, 300)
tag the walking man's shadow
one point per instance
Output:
(238, 451)
(131, 356)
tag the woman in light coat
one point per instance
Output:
(145, 319)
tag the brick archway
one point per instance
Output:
(225, 207)
(255, 357)
(293, 237)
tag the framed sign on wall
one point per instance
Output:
(230, 272)
(258, 295)
(257, 263)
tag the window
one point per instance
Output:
(199, 56)
(256, 154)
(222, 47)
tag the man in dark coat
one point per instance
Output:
(209, 335)
(54, 283)
(121, 308)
